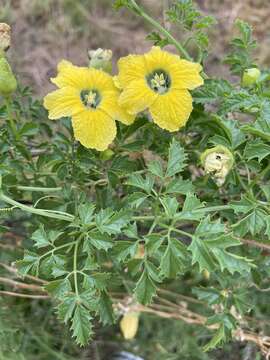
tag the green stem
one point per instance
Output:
(173, 229)
(75, 267)
(143, 218)
(10, 117)
(56, 249)
(36, 188)
(47, 213)
(259, 176)
(161, 29)
(212, 208)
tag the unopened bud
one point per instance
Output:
(4, 36)
(218, 162)
(129, 325)
(106, 154)
(250, 76)
(206, 274)
(224, 293)
(100, 59)
(8, 83)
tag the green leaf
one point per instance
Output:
(97, 280)
(209, 249)
(112, 222)
(152, 271)
(206, 227)
(138, 181)
(153, 242)
(58, 288)
(30, 263)
(131, 231)
(40, 237)
(209, 295)
(155, 168)
(125, 249)
(81, 325)
(179, 186)
(99, 241)
(253, 223)
(174, 259)
(217, 339)
(29, 129)
(211, 91)
(191, 204)
(105, 309)
(242, 206)
(232, 262)
(176, 160)
(256, 149)
(136, 199)
(145, 288)
(3, 229)
(86, 212)
(66, 308)
(170, 206)
(201, 255)
(54, 265)
(267, 222)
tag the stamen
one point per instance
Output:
(90, 98)
(159, 81)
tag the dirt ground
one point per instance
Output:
(46, 31)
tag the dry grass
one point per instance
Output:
(46, 31)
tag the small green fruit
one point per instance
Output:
(250, 76)
(106, 155)
(8, 82)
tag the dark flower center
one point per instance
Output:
(90, 98)
(159, 81)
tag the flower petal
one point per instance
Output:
(82, 78)
(94, 129)
(137, 96)
(131, 68)
(184, 74)
(63, 102)
(172, 110)
(111, 107)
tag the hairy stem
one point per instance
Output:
(161, 29)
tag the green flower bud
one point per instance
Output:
(101, 59)
(8, 83)
(106, 154)
(218, 162)
(250, 76)
(4, 36)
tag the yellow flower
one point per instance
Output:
(90, 98)
(158, 81)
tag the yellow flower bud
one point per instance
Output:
(101, 59)
(4, 36)
(129, 325)
(250, 76)
(8, 83)
(218, 162)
